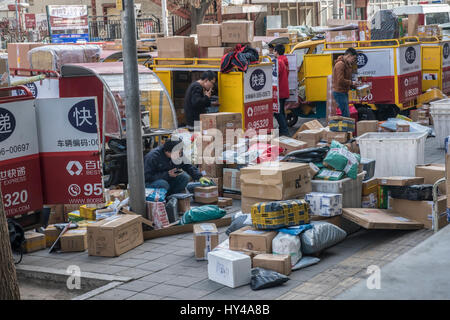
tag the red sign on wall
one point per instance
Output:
(259, 115)
(30, 20)
(409, 86)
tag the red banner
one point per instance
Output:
(30, 20)
(409, 86)
(259, 115)
(382, 90)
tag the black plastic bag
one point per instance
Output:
(172, 209)
(417, 192)
(263, 278)
(237, 224)
(307, 155)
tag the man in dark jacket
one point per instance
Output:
(197, 97)
(162, 172)
(342, 79)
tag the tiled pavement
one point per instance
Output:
(165, 268)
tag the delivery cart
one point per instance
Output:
(249, 93)
(105, 81)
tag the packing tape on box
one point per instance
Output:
(207, 194)
(207, 245)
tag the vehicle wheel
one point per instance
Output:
(291, 119)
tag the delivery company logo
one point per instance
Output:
(410, 55)
(82, 116)
(361, 60)
(257, 80)
(446, 51)
(74, 168)
(7, 124)
(32, 87)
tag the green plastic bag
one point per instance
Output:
(340, 159)
(203, 213)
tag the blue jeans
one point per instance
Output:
(173, 185)
(342, 102)
(281, 119)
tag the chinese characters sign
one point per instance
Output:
(258, 84)
(68, 23)
(20, 178)
(69, 149)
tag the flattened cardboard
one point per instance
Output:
(280, 263)
(379, 219)
(250, 239)
(400, 181)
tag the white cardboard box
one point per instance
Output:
(324, 204)
(230, 268)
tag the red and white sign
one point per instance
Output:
(409, 86)
(259, 115)
(20, 178)
(276, 101)
(446, 67)
(258, 84)
(68, 17)
(30, 20)
(69, 149)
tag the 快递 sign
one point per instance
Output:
(68, 23)
(69, 150)
(20, 178)
(258, 84)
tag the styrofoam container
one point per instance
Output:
(230, 268)
(350, 189)
(395, 153)
(440, 112)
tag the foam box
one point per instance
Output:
(230, 268)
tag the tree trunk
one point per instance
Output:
(197, 14)
(9, 287)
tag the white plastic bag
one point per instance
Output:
(285, 243)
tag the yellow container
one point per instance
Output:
(87, 213)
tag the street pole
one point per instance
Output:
(135, 159)
(165, 18)
(17, 21)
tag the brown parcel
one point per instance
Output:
(34, 241)
(231, 179)
(311, 137)
(281, 181)
(221, 121)
(369, 186)
(366, 126)
(18, 55)
(402, 127)
(209, 35)
(400, 181)
(224, 202)
(51, 234)
(379, 219)
(421, 211)
(237, 31)
(250, 239)
(115, 235)
(289, 144)
(211, 167)
(219, 183)
(74, 240)
(206, 194)
(176, 47)
(341, 137)
(432, 173)
(310, 125)
(206, 238)
(413, 24)
(280, 263)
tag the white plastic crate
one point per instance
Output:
(395, 153)
(350, 189)
(440, 112)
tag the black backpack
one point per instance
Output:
(16, 237)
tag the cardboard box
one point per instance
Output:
(421, 211)
(184, 205)
(276, 181)
(232, 194)
(379, 219)
(209, 35)
(219, 184)
(369, 186)
(250, 239)
(51, 234)
(311, 137)
(206, 195)
(218, 52)
(275, 32)
(366, 126)
(414, 115)
(18, 55)
(429, 30)
(248, 202)
(370, 201)
(400, 181)
(57, 214)
(34, 241)
(74, 240)
(115, 235)
(211, 168)
(280, 263)
(324, 204)
(310, 125)
(176, 47)
(342, 35)
(341, 137)
(224, 202)
(258, 45)
(237, 31)
(402, 127)
(230, 268)
(289, 144)
(206, 238)
(221, 121)
(414, 20)
(432, 173)
(231, 179)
